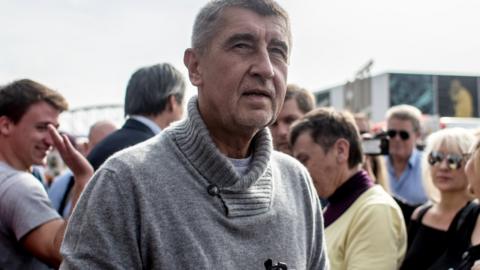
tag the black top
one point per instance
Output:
(469, 257)
(425, 244)
(459, 254)
(429, 248)
(407, 209)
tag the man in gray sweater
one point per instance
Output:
(209, 192)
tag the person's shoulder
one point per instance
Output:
(18, 184)
(416, 155)
(122, 138)
(376, 203)
(284, 159)
(286, 162)
(288, 167)
(376, 195)
(145, 151)
(19, 178)
(420, 210)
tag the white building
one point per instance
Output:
(435, 95)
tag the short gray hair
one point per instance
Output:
(208, 20)
(406, 112)
(150, 87)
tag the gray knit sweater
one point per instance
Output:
(149, 207)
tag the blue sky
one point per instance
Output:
(87, 49)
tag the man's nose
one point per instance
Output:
(283, 129)
(263, 65)
(48, 139)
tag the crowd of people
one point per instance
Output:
(252, 176)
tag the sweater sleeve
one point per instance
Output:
(318, 259)
(103, 230)
(377, 239)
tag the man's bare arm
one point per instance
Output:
(44, 241)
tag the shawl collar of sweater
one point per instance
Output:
(242, 195)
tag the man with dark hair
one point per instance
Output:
(31, 231)
(209, 192)
(153, 100)
(298, 101)
(364, 227)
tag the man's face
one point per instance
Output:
(30, 138)
(242, 74)
(322, 166)
(400, 147)
(289, 113)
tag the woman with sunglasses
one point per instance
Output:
(447, 187)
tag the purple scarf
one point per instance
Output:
(346, 195)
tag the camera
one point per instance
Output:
(377, 145)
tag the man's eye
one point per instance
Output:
(303, 160)
(279, 52)
(290, 120)
(42, 127)
(241, 46)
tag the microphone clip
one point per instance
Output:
(279, 266)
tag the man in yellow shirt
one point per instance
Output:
(364, 226)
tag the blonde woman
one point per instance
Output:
(447, 187)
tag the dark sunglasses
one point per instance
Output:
(454, 161)
(404, 135)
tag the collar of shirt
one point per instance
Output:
(408, 187)
(346, 195)
(241, 165)
(412, 160)
(149, 123)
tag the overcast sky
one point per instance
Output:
(88, 49)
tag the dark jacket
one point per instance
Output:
(131, 133)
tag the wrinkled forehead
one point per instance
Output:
(238, 19)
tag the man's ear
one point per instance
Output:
(171, 103)
(191, 61)
(342, 148)
(6, 125)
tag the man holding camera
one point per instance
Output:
(404, 160)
